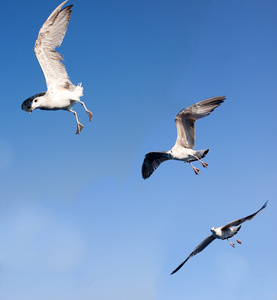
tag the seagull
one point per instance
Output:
(61, 93)
(224, 232)
(182, 150)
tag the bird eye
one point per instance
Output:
(36, 100)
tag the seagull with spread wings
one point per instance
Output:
(61, 93)
(183, 148)
(224, 232)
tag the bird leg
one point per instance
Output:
(205, 165)
(237, 240)
(232, 244)
(195, 169)
(88, 112)
(79, 125)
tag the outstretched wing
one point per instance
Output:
(51, 36)
(239, 221)
(151, 162)
(186, 118)
(198, 249)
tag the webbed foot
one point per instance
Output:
(89, 114)
(79, 128)
(195, 169)
(205, 165)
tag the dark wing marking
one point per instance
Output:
(239, 221)
(151, 162)
(198, 249)
(185, 120)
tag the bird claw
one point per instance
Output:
(196, 171)
(89, 114)
(205, 165)
(79, 128)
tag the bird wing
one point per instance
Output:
(151, 162)
(51, 36)
(186, 118)
(198, 249)
(239, 221)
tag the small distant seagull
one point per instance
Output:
(223, 233)
(61, 93)
(182, 150)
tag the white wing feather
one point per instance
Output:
(51, 36)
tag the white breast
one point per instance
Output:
(181, 153)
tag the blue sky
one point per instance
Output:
(77, 221)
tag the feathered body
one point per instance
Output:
(224, 232)
(183, 148)
(61, 93)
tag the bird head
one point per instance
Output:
(213, 229)
(32, 103)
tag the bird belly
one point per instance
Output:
(230, 232)
(222, 234)
(61, 98)
(227, 233)
(183, 154)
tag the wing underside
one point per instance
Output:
(198, 249)
(151, 162)
(49, 38)
(240, 221)
(185, 120)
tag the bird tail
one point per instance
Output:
(202, 153)
(237, 229)
(79, 90)
(205, 152)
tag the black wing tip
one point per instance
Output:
(173, 272)
(177, 269)
(145, 172)
(67, 8)
(264, 206)
(145, 175)
(151, 162)
(218, 100)
(180, 266)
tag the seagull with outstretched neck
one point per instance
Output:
(61, 93)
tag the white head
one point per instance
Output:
(213, 229)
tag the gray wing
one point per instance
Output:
(186, 118)
(51, 36)
(198, 249)
(239, 221)
(151, 162)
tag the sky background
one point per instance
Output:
(77, 221)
